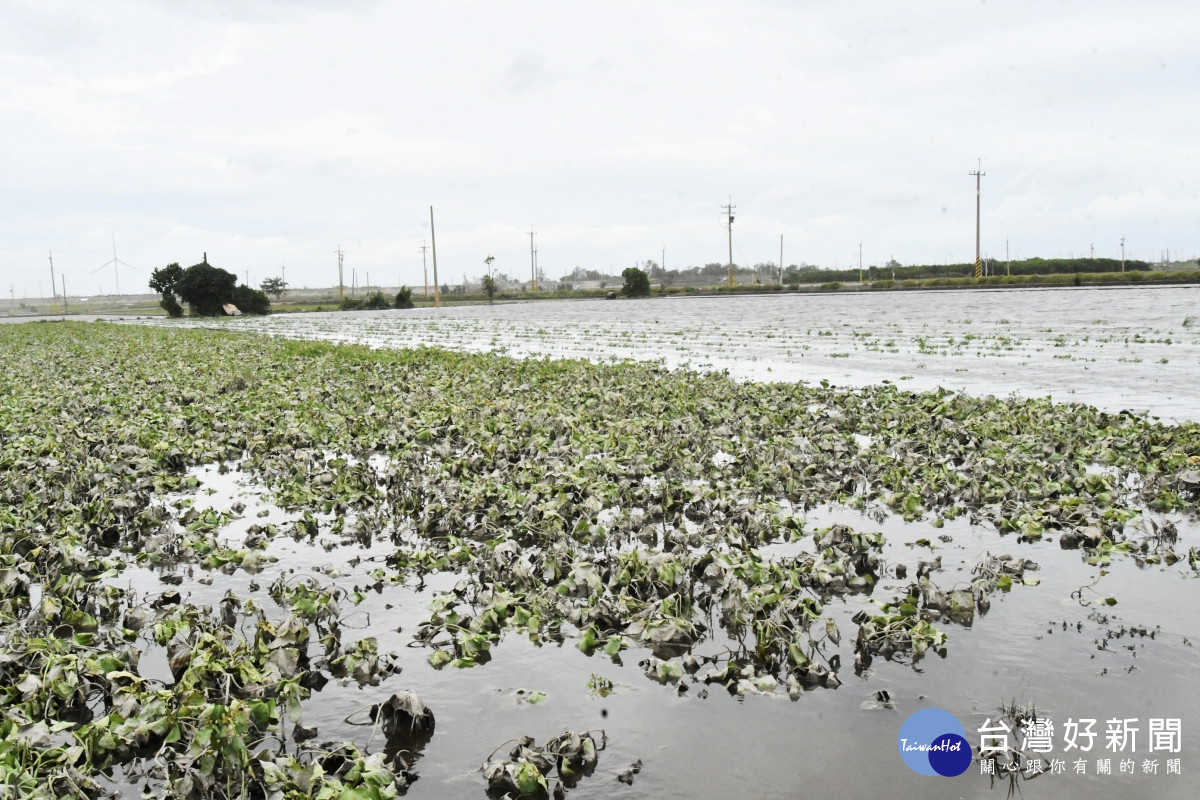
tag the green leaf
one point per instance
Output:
(261, 713)
(529, 779)
(587, 639)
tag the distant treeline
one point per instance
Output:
(1029, 266)
(769, 273)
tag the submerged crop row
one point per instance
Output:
(623, 507)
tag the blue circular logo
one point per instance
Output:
(933, 742)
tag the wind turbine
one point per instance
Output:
(116, 265)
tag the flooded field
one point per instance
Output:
(726, 588)
(1111, 348)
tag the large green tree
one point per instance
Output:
(637, 283)
(274, 287)
(163, 280)
(206, 289)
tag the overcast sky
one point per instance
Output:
(268, 132)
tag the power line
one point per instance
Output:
(424, 268)
(437, 292)
(53, 285)
(341, 282)
(978, 173)
(532, 261)
(728, 208)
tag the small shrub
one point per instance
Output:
(251, 301)
(351, 304)
(376, 301)
(403, 298)
(171, 304)
(833, 286)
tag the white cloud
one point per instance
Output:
(1152, 204)
(272, 130)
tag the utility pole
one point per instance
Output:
(978, 173)
(728, 207)
(1122, 252)
(781, 259)
(663, 267)
(53, 284)
(424, 268)
(1007, 263)
(532, 263)
(535, 252)
(860, 280)
(437, 292)
(63, 278)
(341, 282)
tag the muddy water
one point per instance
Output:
(1048, 645)
(1127, 348)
